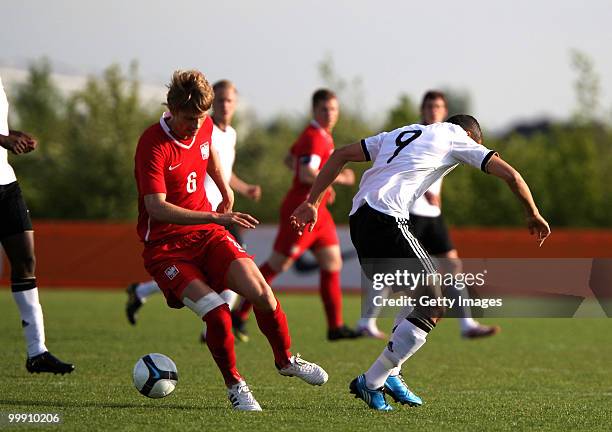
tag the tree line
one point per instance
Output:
(83, 168)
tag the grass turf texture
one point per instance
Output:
(553, 374)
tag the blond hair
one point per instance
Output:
(189, 91)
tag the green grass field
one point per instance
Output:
(538, 374)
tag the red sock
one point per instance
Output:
(220, 341)
(244, 309)
(331, 294)
(273, 324)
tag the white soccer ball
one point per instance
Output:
(155, 375)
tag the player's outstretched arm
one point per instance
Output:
(250, 191)
(308, 175)
(346, 177)
(161, 210)
(306, 213)
(535, 222)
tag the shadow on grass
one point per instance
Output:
(92, 404)
(178, 407)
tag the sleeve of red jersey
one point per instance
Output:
(311, 151)
(150, 163)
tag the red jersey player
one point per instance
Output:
(308, 155)
(187, 249)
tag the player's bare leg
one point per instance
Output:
(275, 265)
(19, 249)
(244, 277)
(213, 310)
(470, 328)
(330, 262)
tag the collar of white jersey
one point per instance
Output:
(316, 124)
(228, 128)
(166, 128)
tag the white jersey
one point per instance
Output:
(408, 160)
(7, 175)
(422, 207)
(225, 145)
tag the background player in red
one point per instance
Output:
(187, 249)
(309, 154)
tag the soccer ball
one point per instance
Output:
(155, 375)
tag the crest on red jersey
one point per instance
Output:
(205, 150)
(171, 272)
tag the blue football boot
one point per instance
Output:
(396, 387)
(374, 398)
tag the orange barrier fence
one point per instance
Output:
(107, 255)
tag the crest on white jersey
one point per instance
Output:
(205, 150)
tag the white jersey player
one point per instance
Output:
(224, 143)
(17, 239)
(406, 162)
(429, 227)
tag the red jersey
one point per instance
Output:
(177, 168)
(313, 148)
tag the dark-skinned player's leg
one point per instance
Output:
(19, 249)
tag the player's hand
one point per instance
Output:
(19, 142)
(244, 220)
(348, 177)
(226, 205)
(254, 192)
(433, 199)
(305, 214)
(332, 195)
(537, 225)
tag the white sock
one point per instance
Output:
(367, 323)
(145, 289)
(31, 320)
(405, 341)
(467, 324)
(230, 297)
(399, 318)
(369, 310)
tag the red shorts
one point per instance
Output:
(291, 244)
(204, 255)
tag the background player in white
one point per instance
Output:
(17, 238)
(407, 161)
(224, 143)
(429, 227)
